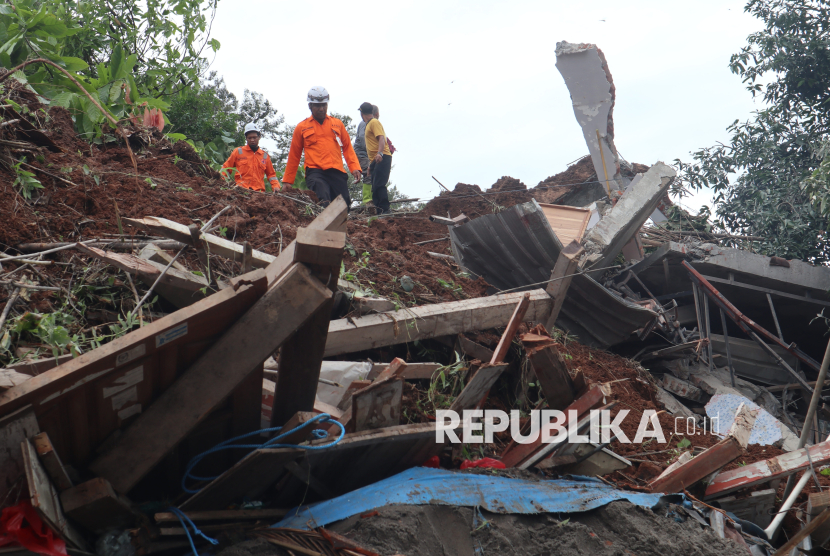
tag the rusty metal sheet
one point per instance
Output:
(517, 249)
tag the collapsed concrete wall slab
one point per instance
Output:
(586, 74)
(605, 240)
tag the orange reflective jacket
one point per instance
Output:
(323, 144)
(251, 167)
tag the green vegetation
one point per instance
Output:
(771, 177)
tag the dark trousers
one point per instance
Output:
(328, 184)
(380, 177)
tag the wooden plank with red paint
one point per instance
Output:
(521, 452)
(712, 459)
(510, 331)
(771, 469)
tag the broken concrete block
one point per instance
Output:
(672, 405)
(682, 388)
(767, 430)
(585, 71)
(605, 240)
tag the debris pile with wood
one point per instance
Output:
(188, 361)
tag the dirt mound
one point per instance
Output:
(618, 528)
(506, 183)
(472, 201)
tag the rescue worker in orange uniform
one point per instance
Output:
(252, 163)
(322, 139)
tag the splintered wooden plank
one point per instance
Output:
(302, 355)
(561, 277)
(45, 499)
(332, 219)
(51, 461)
(431, 321)
(218, 245)
(479, 385)
(510, 332)
(771, 469)
(519, 454)
(223, 366)
(712, 459)
(396, 368)
(14, 429)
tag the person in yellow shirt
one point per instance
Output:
(377, 148)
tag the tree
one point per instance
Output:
(759, 175)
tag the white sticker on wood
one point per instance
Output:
(172, 334)
(130, 355)
(130, 378)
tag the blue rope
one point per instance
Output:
(272, 443)
(182, 517)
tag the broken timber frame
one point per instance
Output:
(566, 266)
(430, 321)
(730, 448)
(764, 471)
(321, 246)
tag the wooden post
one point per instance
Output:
(553, 376)
(247, 257)
(566, 265)
(49, 457)
(302, 356)
(711, 460)
(510, 331)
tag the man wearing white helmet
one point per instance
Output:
(325, 142)
(252, 163)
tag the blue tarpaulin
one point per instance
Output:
(421, 485)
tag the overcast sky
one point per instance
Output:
(469, 92)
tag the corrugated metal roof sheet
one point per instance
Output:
(517, 248)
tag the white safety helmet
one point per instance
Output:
(251, 127)
(318, 95)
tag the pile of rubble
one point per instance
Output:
(279, 373)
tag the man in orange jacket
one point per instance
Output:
(252, 163)
(323, 139)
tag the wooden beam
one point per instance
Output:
(218, 245)
(320, 247)
(817, 502)
(45, 499)
(396, 368)
(765, 471)
(333, 219)
(147, 269)
(14, 429)
(554, 378)
(796, 539)
(712, 459)
(97, 507)
(566, 265)
(260, 469)
(51, 461)
(518, 454)
(302, 355)
(473, 349)
(223, 366)
(510, 331)
(479, 385)
(430, 321)
(413, 371)
(304, 433)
